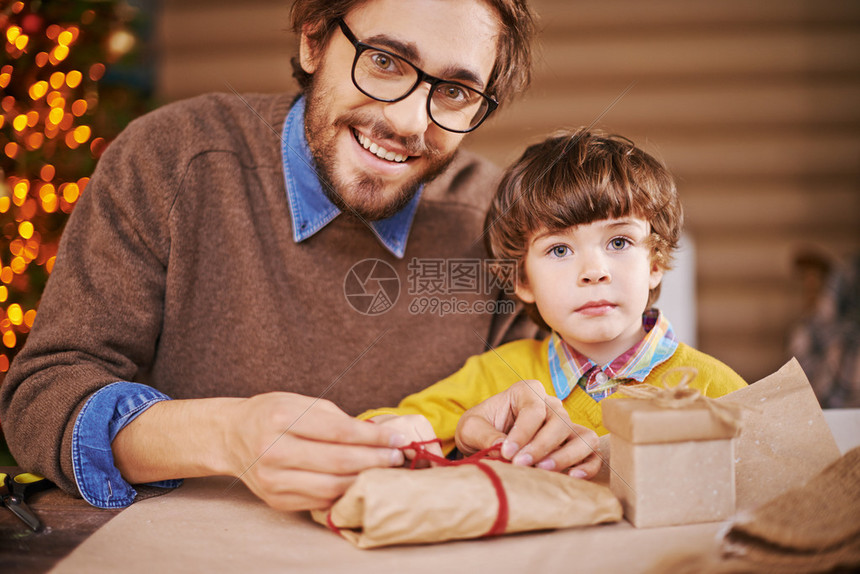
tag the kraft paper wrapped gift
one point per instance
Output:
(389, 506)
(671, 465)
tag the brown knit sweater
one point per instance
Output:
(178, 269)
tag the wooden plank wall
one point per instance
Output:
(752, 103)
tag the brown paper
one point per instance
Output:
(785, 440)
(402, 506)
(644, 422)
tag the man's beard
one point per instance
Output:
(362, 196)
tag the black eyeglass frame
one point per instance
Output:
(361, 47)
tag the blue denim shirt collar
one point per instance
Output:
(311, 210)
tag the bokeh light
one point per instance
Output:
(53, 127)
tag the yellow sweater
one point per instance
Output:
(494, 371)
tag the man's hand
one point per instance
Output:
(534, 430)
(294, 452)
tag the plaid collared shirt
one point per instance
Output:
(570, 368)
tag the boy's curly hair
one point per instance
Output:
(580, 177)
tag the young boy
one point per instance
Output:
(592, 222)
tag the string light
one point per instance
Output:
(73, 78)
(50, 137)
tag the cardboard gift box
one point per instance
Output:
(672, 459)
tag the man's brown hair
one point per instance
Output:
(511, 73)
(579, 177)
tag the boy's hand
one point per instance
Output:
(533, 429)
(416, 428)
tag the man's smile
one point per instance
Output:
(378, 150)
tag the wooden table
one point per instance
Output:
(68, 522)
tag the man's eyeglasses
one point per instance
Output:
(387, 77)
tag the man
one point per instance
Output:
(209, 259)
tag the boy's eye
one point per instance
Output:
(559, 250)
(619, 243)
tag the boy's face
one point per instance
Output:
(450, 40)
(590, 283)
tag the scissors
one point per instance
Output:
(14, 491)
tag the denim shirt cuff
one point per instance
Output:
(104, 414)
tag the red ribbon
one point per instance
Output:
(421, 453)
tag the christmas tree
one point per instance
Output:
(59, 110)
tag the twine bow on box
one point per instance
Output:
(681, 396)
